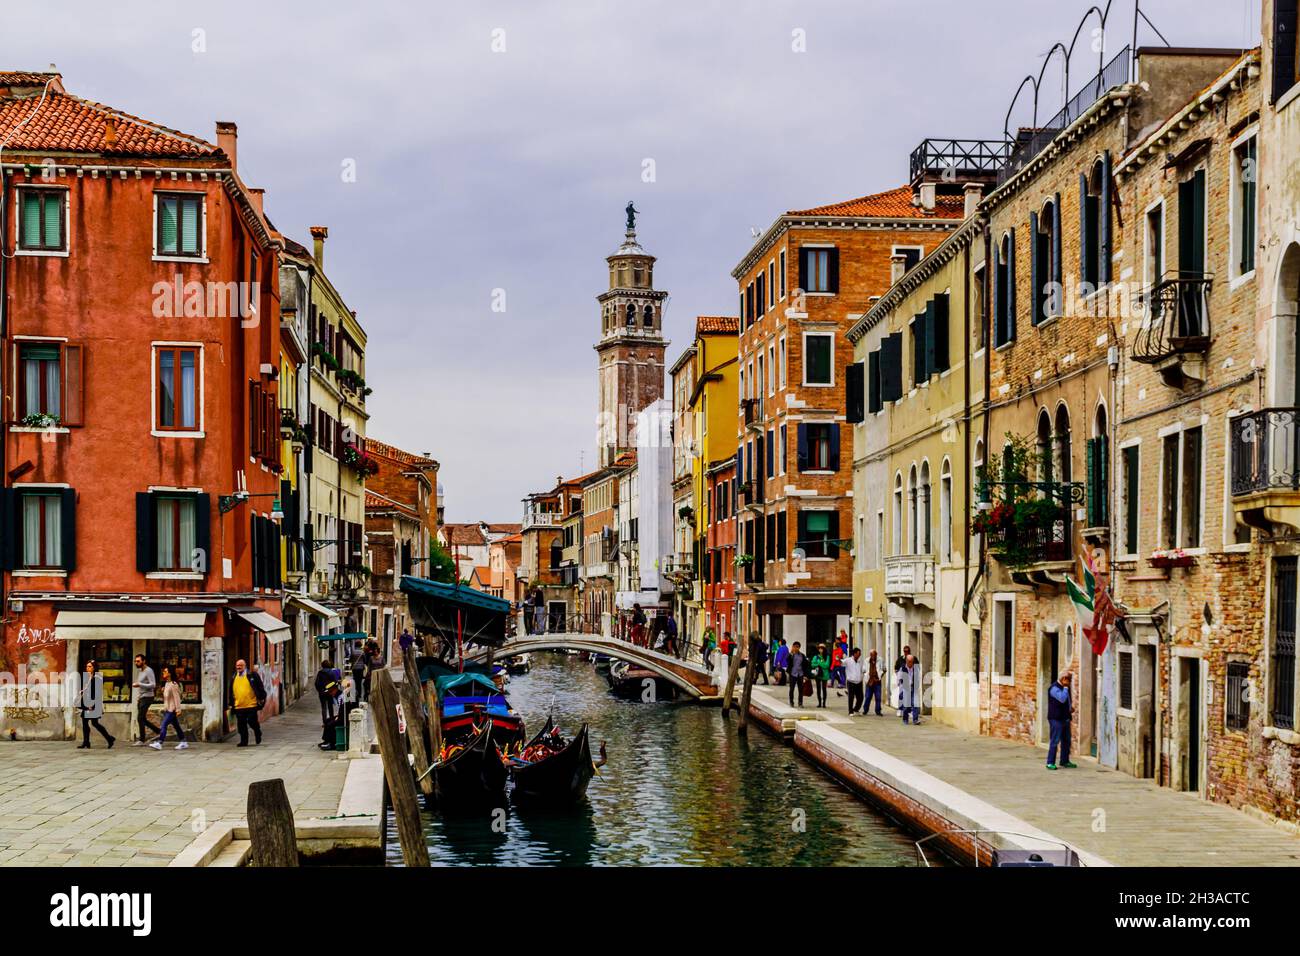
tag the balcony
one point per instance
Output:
(680, 567)
(1266, 468)
(753, 409)
(1176, 332)
(910, 577)
(958, 160)
(751, 493)
(541, 519)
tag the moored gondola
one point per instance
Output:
(472, 775)
(557, 774)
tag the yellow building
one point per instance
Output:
(713, 402)
(917, 439)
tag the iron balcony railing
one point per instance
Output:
(959, 158)
(753, 408)
(1266, 451)
(1045, 543)
(1034, 140)
(1177, 318)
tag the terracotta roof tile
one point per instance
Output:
(466, 534)
(706, 324)
(894, 204)
(69, 124)
(505, 527)
(377, 447)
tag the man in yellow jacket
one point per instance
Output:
(248, 697)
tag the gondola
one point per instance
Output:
(473, 777)
(519, 664)
(471, 700)
(557, 779)
(628, 682)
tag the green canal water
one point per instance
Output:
(680, 788)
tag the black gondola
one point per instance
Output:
(474, 777)
(559, 779)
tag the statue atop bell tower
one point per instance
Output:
(631, 347)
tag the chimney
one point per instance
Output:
(319, 234)
(973, 194)
(227, 136)
(257, 196)
(927, 196)
(110, 132)
(897, 267)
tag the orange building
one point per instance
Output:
(142, 452)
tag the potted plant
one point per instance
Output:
(743, 560)
(686, 513)
(1171, 558)
(41, 420)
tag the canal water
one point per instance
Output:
(680, 788)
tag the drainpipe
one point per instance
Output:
(4, 348)
(985, 308)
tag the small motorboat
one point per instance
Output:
(552, 771)
(519, 664)
(470, 774)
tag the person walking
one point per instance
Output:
(853, 679)
(706, 647)
(539, 612)
(171, 712)
(328, 688)
(91, 702)
(909, 690)
(902, 658)
(799, 671)
(837, 666)
(638, 626)
(780, 661)
(1060, 711)
(249, 697)
(727, 645)
(670, 634)
(872, 684)
(758, 655)
(146, 685)
(821, 672)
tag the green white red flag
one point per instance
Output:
(1092, 604)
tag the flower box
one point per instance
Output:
(1173, 558)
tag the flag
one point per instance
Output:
(1092, 604)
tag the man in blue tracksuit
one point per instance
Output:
(1060, 707)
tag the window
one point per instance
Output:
(177, 536)
(1097, 464)
(1286, 63)
(1245, 168)
(1282, 656)
(920, 368)
(1155, 244)
(1004, 291)
(41, 220)
(818, 533)
(784, 452)
(1090, 253)
(183, 658)
(945, 511)
(172, 532)
(760, 293)
(818, 358)
(771, 284)
(113, 662)
(1045, 263)
(177, 374)
(180, 224)
(41, 514)
(41, 378)
(771, 366)
(911, 256)
(1180, 523)
(1236, 697)
(1132, 498)
(923, 511)
(898, 514)
(980, 293)
(648, 317)
(819, 446)
(1125, 660)
(771, 453)
(781, 268)
(819, 269)
(781, 363)
(1004, 637)
(880, 539)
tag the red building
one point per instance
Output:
(719, 574)
(139, 300)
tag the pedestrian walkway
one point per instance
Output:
(1120, 819)
(134, 806)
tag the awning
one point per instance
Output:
(311, 607)
(276, 631)
(129, 625)
(343, 636)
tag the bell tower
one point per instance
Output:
(631, 348)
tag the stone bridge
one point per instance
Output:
(688, 676)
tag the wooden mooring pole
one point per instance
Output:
(751, 664)
(413, 708)
(733, 666)
(270, 825)
(397, 770)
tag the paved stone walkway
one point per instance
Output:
(135, 806)
(1144, 824)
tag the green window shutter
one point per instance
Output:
(31, 220)
(167, 224)
(1090, 458)
(191, 214)
(53, 220)
(1131, 486)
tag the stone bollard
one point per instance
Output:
(359, 731)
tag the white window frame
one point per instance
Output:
(1149, 275)
(203, 225)
(1130, 649)
(67, 222)
(880, 539)
(771, 364)
(1229, 513)
(1180, 428)
(781, 259)
(1008, 680)
(830, 337)
(1122, 517)
(153, 391)
(895, 250)
(1237, 277)
(781, 364)
(945, 510)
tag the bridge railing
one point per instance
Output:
(618, 627)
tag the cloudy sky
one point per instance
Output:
(480, 167)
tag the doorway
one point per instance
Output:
(1145, 706)
(925, 638)
(1189, 725)
(556, 611)
(1049, 668)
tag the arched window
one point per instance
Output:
(1286, 334)
(1046, 265)
(631, 315)
(945, 511)
(1004, 291)
(897, 536)
(913, 507)
(648, 317)
(923, 520)
(1064, 451)
(1043, 446)
(1091, 188)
